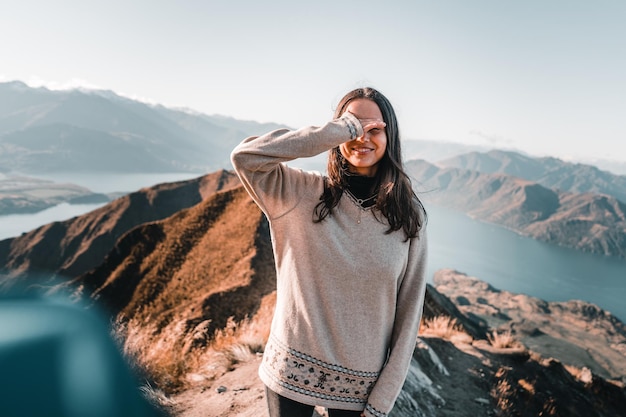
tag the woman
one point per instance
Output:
(350, 253)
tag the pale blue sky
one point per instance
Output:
(544, 76)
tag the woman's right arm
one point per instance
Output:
(259, 160)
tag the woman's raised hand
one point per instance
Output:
(371, 124)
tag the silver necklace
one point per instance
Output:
(360, 202)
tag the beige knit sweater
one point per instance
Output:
(349, 296)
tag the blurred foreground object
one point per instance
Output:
(58, 359)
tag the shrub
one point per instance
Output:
(502, 340)
(444, 327)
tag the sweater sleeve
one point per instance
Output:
(404, 337)
(259, 161)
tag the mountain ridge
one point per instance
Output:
(159, 139)
(76, 245)
(40, 130)
(547, 171)
(137, 259)
(589, 222)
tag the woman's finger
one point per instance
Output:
(372, 124)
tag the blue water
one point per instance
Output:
(493, 254)
(15, 224)
(108, 183)
(518, 264)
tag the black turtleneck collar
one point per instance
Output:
(363, 188)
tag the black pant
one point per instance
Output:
(280, 406)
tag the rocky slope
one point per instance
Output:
(576, 332)
(589, 222)
(456, 372)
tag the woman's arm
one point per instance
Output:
(404, 337)
(258, 160)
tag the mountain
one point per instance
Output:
(173, 264)
(549, 172)
(588, 222)
(198, 265)
(185, 272)
(77, 245)
(44, 131)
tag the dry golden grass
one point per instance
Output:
(528, 386)
(574, 371)
(202, 274)
(252, 333)
(154, 355)
(502, 392)
(444, 327)
(240, 342)
(168, 357)
(583, 374)
(156, 396)
(502, 340)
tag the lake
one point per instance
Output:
(15, 224)
(519, 264)
(109, 183)
(493, 254)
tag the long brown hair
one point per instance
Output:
(395, 200)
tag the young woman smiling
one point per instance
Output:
(350, 251)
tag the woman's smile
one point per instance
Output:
(362, 150)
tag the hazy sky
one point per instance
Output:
(544, 76)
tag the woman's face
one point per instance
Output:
(364, 153)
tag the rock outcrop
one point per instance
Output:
(577, 333)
